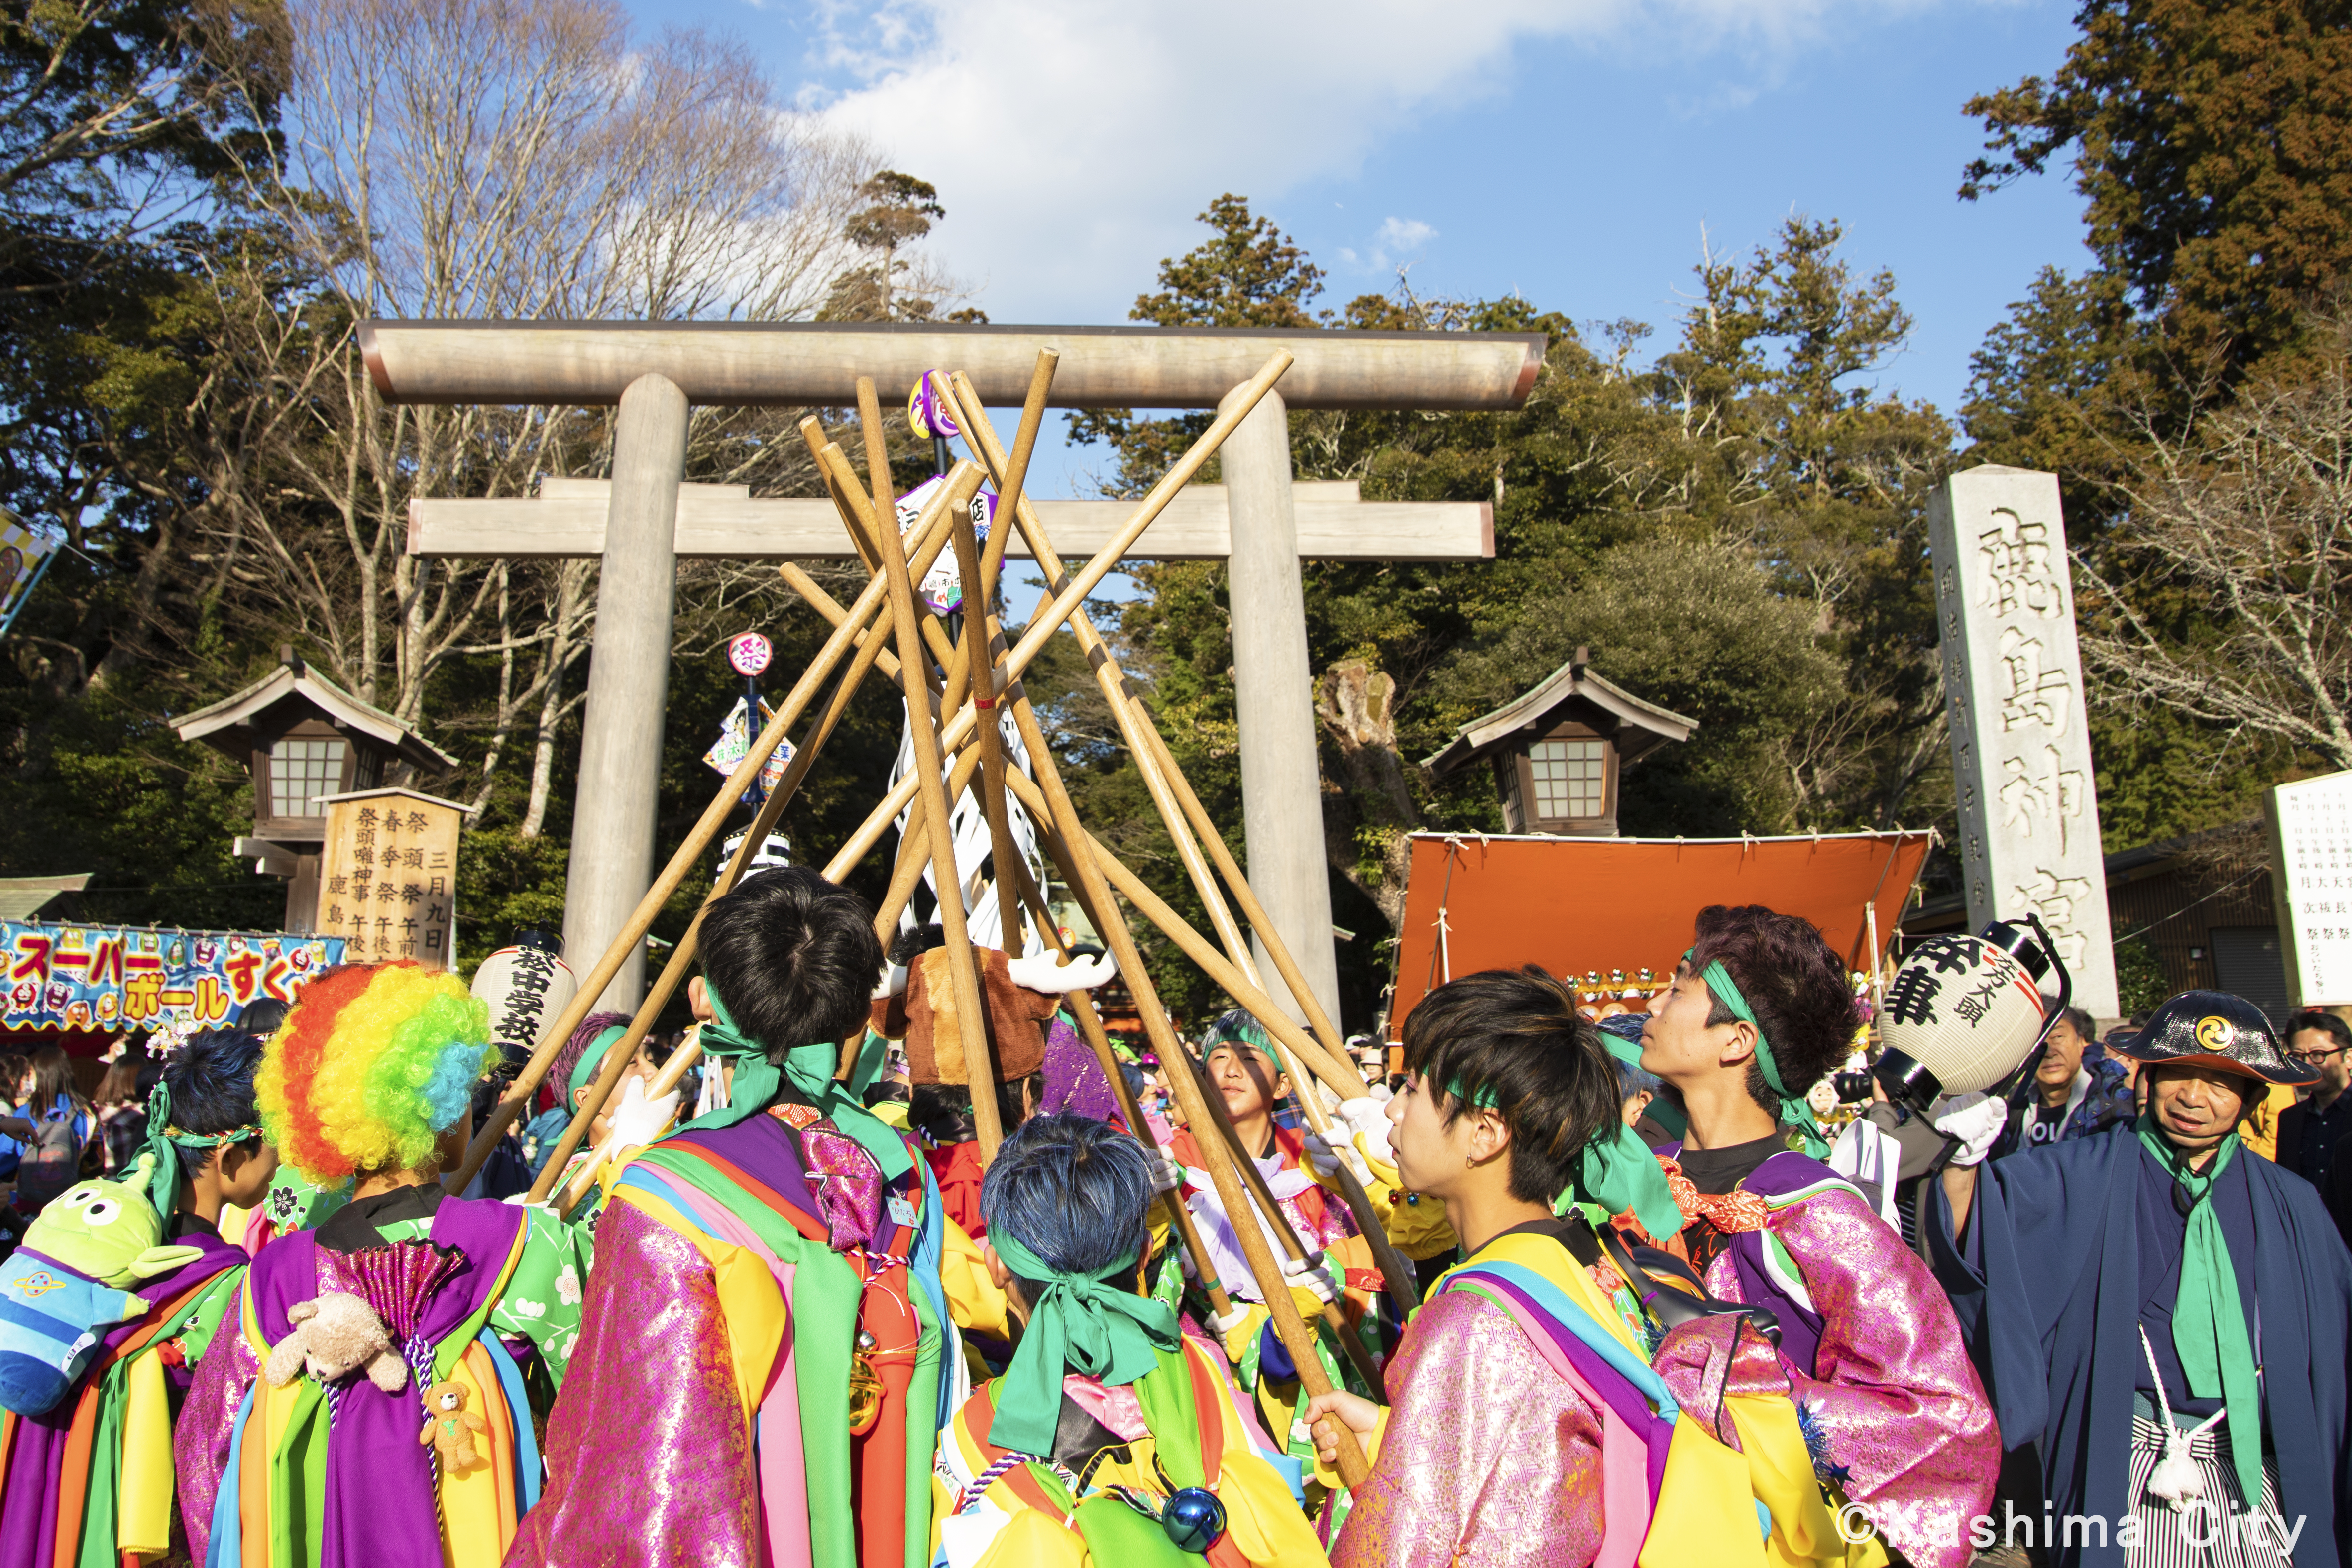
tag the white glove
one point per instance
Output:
(1314, 1272)
(1225, 1323)
(636, 1120)
(1328, 1160)
(1368, 1118)
(1975, 1121)
(1167, 1176)
(893, 984)
(1049, 974)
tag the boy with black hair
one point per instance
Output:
(1756, 1013)
(91, 1479)
(1527, 1421)
(758, 1375)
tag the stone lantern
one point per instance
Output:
(1558, 751)
(302, 738)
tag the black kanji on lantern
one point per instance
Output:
(1911, 998)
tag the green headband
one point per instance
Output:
(1616, 1173)
(1795, 1109)
(583, 1071)
(809, 1070)
(1079, 1322)
(164, 1184)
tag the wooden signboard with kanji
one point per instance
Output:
(388, 876)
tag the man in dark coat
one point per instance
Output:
(2167, 1318)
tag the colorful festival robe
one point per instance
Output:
(1025, 1514)
(306, 1477)
(1898, 1419)
(90, 1481)
(1525, 1425)
(738, 1268)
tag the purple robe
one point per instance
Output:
(1490, 1456)
(1893, 1408)
(380, 1508)
(29, 1490)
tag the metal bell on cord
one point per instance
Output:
(1194, 1519)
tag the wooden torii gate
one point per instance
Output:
(1259, 521)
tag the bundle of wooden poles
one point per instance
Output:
(957, 691)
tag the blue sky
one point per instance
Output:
(1575, 151)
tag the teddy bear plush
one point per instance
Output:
(449, 1427)
(335, 1334)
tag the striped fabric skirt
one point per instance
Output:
(2216, 1530)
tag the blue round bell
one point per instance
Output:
(1194, 1519)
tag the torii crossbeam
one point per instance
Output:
(1265, 523)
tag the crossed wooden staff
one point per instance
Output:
(954, 690)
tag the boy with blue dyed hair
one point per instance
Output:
(1110, 1436)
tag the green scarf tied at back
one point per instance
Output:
(163, 1141)
(1795, 1111)
(1083, 1323)
(1616, 1173)
(809, 1070)
(2209, 1322)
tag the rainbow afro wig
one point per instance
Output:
(376, 1060)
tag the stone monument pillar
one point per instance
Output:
(2013, 694)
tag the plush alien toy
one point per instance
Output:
(68, 1283)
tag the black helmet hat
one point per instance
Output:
(2218, 1030)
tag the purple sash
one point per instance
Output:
(380, 1507)
(1800, 1326)
(1657, 1435)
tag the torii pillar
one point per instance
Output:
(1259, 521)
(1273, 700)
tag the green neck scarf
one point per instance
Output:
(1082, 1322)
(2209, 1322)
(163, 1141)
(1616, 1173)
(809, 1070)
(1795, 1111)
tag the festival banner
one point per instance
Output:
(388, 875)
(63, 976)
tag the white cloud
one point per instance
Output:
(1402, 233)
(1073, 140)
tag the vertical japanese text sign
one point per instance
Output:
(388, 878)
(2013, 693)
(2311, 884)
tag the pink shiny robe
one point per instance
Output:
(1490, 1458)
(660, 1466)
(1892, 1400)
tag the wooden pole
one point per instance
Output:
(687, 856)
(979, 631)
(625, 1050)
(1011, 477)
(1178, 805)
(1350, 1344)
(1081, 1006)
(1129, 708)
(930, 785)
(1234, 1198)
